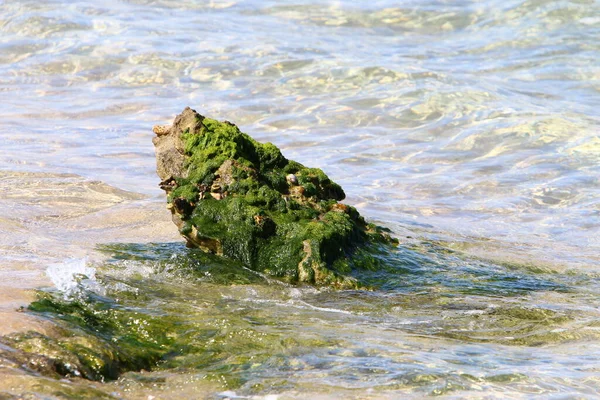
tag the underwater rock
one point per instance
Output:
(94, 338)
(235, 197)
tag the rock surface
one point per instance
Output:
(233, 196)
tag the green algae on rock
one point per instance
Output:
(94, 339)
(233, 196)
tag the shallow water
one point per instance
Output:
(471, 127)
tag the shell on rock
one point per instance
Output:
(292, 180)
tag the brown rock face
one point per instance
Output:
(168, 146)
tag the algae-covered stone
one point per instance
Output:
(233, 196)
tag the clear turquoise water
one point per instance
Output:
(473, 125)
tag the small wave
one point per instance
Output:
(295, 303)
(69, 276)
(229, 394)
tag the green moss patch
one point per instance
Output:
(97, 339)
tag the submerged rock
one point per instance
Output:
(235, 197)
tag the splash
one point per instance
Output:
(71, 275)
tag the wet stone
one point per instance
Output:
(236, 197)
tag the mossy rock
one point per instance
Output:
(238, 198)
(94, 339)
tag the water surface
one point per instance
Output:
(465, 126)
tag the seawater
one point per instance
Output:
(469, 128)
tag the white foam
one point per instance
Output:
(68, 275)
(231, 395)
